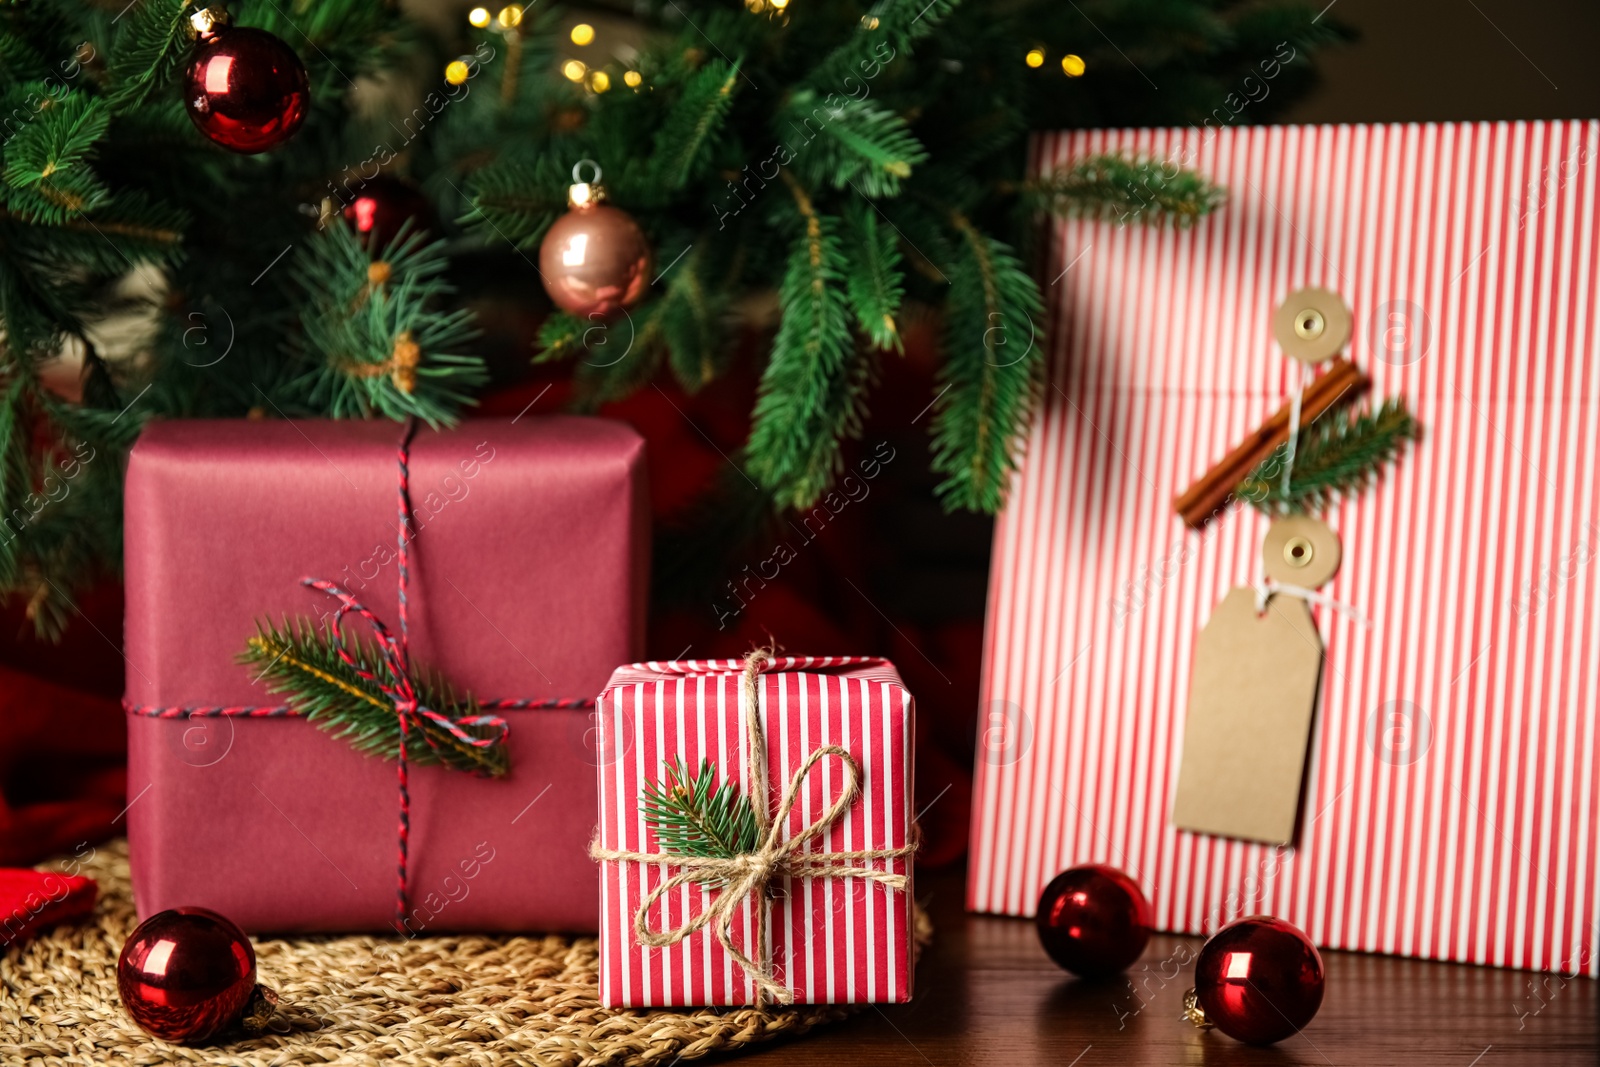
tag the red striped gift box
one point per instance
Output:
(830, 940)
(1449, 809)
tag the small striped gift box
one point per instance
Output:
(822, 938)
(1449, 807)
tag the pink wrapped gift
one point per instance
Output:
(526, 582)
(819, 908)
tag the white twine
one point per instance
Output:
(1294, 423)
(1269, 588)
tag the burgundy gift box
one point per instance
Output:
(527, 580)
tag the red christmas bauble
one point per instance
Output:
(1258, 980)
(382, 205)
(595, 260)
(188, 974)
(245, 89)
(1093, 920)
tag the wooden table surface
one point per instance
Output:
(987, 994)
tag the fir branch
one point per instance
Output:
(990, 375)
(880, 37)
(873, 276)
(61, 136)
(1339, 453)
(516, 201)
(152, 45)
(562, 334)
(682, 145)
(841, 142)
(812, 393)
(302, 664)
(377, 340)
(15, 476)
(1124, 189)
(691, 322)
(693, 816)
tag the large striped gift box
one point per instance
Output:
(827, 939)
(1449, 808)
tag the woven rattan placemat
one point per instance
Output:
(453, 1001)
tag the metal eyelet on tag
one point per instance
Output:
(1299, 551)
(1309, 324)
(1312, 325)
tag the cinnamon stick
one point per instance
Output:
(1210, 494)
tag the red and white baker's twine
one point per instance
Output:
(400, 688)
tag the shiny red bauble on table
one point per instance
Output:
(188, 974)
(1258, 980)
(595, 261)
(1093, 920)
(245, 89)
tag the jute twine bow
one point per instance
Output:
(750, 874)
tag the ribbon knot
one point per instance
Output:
(399, 686)
(749, 875)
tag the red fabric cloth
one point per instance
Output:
(61, 773)
(31, 900)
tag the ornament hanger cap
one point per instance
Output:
(582, 193)
(207, 19)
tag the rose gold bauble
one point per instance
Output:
(595, 259)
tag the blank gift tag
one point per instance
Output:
(1252, 697)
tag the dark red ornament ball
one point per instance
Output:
(382, 205)
(186, 975)
(245, 89)
(1093, 920)
(1259, 980)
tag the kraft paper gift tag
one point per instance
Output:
(1253, 694)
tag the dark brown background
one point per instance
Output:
(1454, 60)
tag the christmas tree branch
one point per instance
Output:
(990, 376)
(379, 342)
(303, 664)
(812, 393)
(1337, 454)
(693, 816)
(873, 276)
(153, 45)
(1123, 189)
(683, 142)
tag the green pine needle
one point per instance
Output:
(693, 816)
(356, 326)
(682, 146)
(843, 143)
(1125, 189)
(812, 395)
(873, 276)
(153, 45)
(1337, 454)
(302, 663)
(991, 373)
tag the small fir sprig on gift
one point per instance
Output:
(302, 663)
(1337, 454)
(693, 816)
(1125, 189)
